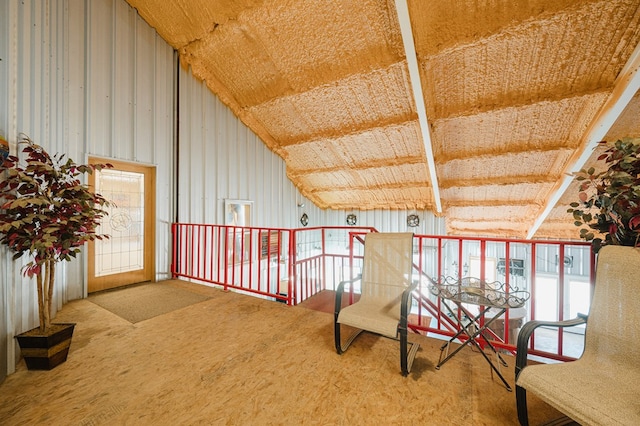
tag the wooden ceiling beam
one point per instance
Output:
(414, 76)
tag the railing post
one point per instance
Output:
(561, 292)
(291, 268)
(174, 249)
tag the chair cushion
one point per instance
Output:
(587, 390)
(371, 316)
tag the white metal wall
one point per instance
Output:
(220, 158)
(84, 78)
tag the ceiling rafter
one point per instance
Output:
(414, 76)
(402, 205)
(514, 104)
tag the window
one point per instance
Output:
(489, 268)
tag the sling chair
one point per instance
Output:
(602, 386)
(385, 298)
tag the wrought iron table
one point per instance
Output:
(488, 296)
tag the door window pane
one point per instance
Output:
(123, 251)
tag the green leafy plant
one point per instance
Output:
(608, 209)
(47, 213)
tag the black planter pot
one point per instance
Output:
(46, 351)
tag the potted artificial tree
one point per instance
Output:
(608, 209)
(47, 214)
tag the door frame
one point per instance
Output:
(148, 272)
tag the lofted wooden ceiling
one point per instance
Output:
(477, 111)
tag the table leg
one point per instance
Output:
(479, 332)
(464, 329)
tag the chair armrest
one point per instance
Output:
(527, 330)
(340, 290)
(404, 306)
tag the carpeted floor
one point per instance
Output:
(238, 360)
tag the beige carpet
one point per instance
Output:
(143, 301)
(240, 360)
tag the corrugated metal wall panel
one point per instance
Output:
(33, 104)
(99, 61)
(75, 84)
(6, 271)
(84, 78)
(130, 103)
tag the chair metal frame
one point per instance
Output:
(407, 349)
(600, 386)
(521, 357)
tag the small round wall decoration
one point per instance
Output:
(413, 220)
(304, 219)
(352, 219)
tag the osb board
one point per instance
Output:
(240, 360)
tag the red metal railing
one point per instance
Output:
(291, 265)
(524, 277)
(247, 259)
